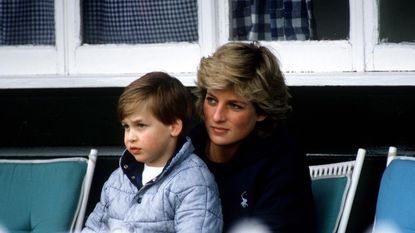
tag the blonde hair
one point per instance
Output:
(252, 71)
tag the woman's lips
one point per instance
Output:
(218, 130)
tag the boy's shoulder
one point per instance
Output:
(117, 178)
(195, 160)
(187, 161)
(192, 171)
(194, 164)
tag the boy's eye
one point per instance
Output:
(140, 125)
(124, 126)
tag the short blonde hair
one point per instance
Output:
(252, 71)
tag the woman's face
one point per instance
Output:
(229, 118)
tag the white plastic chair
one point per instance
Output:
(86, 188)
(334, 187)
(44, 195)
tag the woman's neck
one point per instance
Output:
(221, 154)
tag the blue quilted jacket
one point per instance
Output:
(183, 198)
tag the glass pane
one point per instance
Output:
(397, 21)
(331, 19)
(27, 22)
(137, 22)
(289, 19)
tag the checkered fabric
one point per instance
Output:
(138, 22)
(27, 22)
(271, 19)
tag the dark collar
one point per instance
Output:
(132, 169)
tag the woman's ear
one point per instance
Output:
(176, 128)
(261, 118)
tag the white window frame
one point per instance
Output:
(361, 60)
(384, 56)
(26, 60)
(311, 56)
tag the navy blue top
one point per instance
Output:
(267, 179)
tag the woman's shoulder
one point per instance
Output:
(276, 152)
(281, 140)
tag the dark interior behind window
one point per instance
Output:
(396, 21)
(331, 19)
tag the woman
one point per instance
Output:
(260, 171)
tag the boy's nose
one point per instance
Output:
(130, 136)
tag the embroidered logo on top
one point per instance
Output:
(244, 202)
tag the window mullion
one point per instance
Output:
(357, 34)
(72, 33)
(60, 36)
(223, 21)
(208, 26)
(371, 29)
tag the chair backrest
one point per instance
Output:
(334, 187)
(45, 195)
(395, 207)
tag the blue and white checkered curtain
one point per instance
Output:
(139, 21)
(271, 19)
(27, 22)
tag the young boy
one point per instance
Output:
(160, 186)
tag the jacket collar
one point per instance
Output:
(134, 169)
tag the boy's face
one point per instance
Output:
(149, 140)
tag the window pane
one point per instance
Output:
(137, 22)
(270, 19)
(27, 22)
(289, 19)
(331, 19)
(397, 21)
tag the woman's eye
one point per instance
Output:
(210, 100)
(235, 106)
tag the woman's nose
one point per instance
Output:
(219, 114)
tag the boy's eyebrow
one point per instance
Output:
(136, 120)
